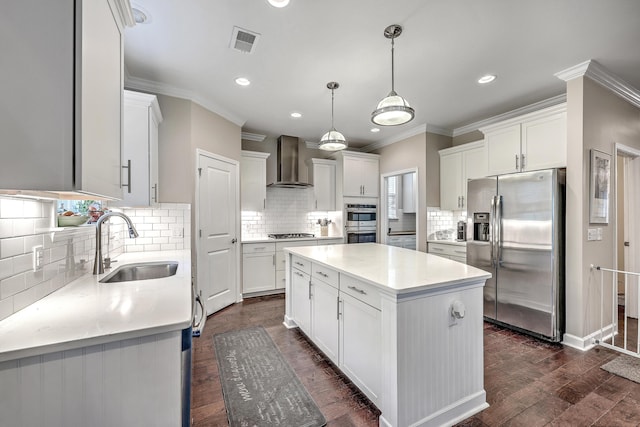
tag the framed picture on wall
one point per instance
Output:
(600, 187)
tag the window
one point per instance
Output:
(392, 197)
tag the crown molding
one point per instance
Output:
(124, 13)
(600, 74)
(252, 136)
(396, 138)
(546, 103)
(144, 100)
(439, 131)
(163, 89)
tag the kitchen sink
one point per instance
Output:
(141, 271)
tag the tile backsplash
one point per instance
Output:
(68, 253)
(287, 211)
(438, 220)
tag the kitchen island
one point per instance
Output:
(101, 354)
(404, 326)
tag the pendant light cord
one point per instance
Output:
(393, 89)
(332, 128)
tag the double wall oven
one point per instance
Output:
(361, 223)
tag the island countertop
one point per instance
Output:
(86, 312)
(390, 268)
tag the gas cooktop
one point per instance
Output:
(289, 235)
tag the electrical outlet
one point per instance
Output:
(38, 257)
(178, 232)
(594, 234)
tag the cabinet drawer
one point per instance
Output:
(447, 250)
(301, 264)
(280, 246)
(255, 248)
(360, 290)
(326, 274)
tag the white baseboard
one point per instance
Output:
(588, 342)
(289, 323)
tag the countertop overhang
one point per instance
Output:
(86, 312)
(392, 269)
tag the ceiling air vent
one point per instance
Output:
(243, 40)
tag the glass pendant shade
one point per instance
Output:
(392, 110)
(333, 141)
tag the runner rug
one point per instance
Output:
(258, 386)
(624, 366)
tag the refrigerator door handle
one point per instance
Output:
(498, 229)
(492, 218)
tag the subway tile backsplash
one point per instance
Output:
(440, 220)
(287, 211)
(69, 252)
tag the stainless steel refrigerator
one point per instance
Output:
(515, 231)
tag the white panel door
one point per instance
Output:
(217, 220)
(324, 318)
(370, 176)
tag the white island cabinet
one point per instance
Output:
(404, 326)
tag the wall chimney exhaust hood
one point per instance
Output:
(287, 164)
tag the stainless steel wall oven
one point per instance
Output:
(361, 223)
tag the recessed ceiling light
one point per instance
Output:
(488, 78)
(278, 3)
(374, 130)
(296, 115)
(242, 81)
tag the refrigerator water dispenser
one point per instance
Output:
(481, 226)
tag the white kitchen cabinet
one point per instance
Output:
(322, 174)
(62, 97)
(280, 259)
(533, 141)
(360, 345)
(454, 251)
(253, 181)
(301, 297)
(358, 174)
(409, 187)
(457, 165)
(258, 267)
(142, 117)
(324, 318)
(402, 241)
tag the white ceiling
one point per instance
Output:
(445, 46)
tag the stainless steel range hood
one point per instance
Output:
(287, 164)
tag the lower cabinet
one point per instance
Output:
(407, 242)
(455, 252)
(360, 345)
(342, 316)
(258, 267)
(324, 318)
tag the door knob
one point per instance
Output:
(234, 240)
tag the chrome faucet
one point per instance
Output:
(98, 264)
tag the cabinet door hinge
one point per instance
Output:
(199, 233)
(200, 172)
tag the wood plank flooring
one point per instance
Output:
(528, 382)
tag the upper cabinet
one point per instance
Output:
(142, 117)
(358, 174)
(457, 165)
(253, 181)
(322, 174)
(409, 187)
(533, 141)
(62, 88)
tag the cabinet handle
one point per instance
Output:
(517, 168)
(299, 263)
(437, 249)
(338, 308)
(462, 201)
(298, 274)
(264, 203)
(322, 274)
(522, 161)
(360, 291)
(155, 192)
(128, 184)
(309, 289)
(259, 248)
(461, 252)
(274, 259)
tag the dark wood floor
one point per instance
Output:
(528, 382)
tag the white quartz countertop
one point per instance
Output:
(391, 268)
(86, 312)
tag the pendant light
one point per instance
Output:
(332, 140)
(394, 109)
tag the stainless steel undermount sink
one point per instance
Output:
(141, 271)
